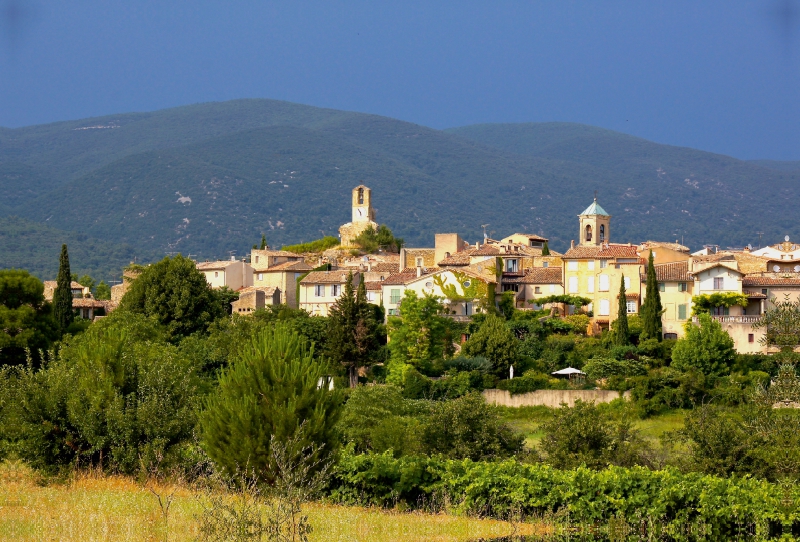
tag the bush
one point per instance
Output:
(465, 363)
(468, 428)
(706, 348)
(665, 388)
(320, 245)
(103, 400)
(530, 381)
(495, 342)
(587, 435)
(597, 368)
(270, 391)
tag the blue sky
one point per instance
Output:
(719, 76)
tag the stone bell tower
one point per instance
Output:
(363, 216)
(595, 223)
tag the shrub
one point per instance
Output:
(495, 342)
(320, 245)
(270, 391)
(597, 368)
(468, 428)
(706, 348)
(465, 363)
(530, 381)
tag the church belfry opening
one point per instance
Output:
(361, 196)
(594, 225)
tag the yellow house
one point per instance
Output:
(675, 287)
(537, 282)
(319, 290)
(460, 290)
(595, 268)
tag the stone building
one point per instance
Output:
(254, 298)
(232, 273)
(363, 216)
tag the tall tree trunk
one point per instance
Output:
(353, 371)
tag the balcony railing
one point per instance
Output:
(740, 319)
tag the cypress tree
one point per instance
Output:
(620, 334)
(263, 242)
(651, 308)
(545, 250)
(353, 332)
(62, 296)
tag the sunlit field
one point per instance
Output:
(91, 507)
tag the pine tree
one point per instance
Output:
(545, 250)
(270, 393)
(263, 242)
(651, 308)
(353, 331)
(619, 335)
(62, 296)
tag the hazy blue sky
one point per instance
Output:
(720, 76)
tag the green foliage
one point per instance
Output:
(566, 299)
(724, 508)
(587, 435)
(545, 249)
(619, 331)
(176, 295)
(579, 323)
(26, 323)
(370, 240)
(466, 363)
(495, 342)
(418, 337)
(476, 289)
(705, 302)
(468, 428)
(607, 367)
(103, 291)
(320, 245)
(270, 390)
(667, 388)
(225, 297)
(530, 381)
(117, 396)
(507, 304)
(706, 348)
(62, 296)
(781, 324)
(651, 308)
(354, 335)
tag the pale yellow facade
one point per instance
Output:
(319, 290)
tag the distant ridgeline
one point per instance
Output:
(210, 178)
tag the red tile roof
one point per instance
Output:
(771, 279)
(327, 277)
(671, 272)
(285, 266)
(457, 259)
(373, 285)
(485, 250)
(538, 275)
(602, 252)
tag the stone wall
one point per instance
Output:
(550, 398)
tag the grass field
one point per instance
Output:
(93, 508)
(528, 420)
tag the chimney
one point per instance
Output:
(572, 244)
(369, 266)
(233, 258)
(477, 244)
(419, 271)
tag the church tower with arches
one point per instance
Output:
(595, 224)
(363, 216)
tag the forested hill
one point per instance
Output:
(209, 178)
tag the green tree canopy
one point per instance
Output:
(706, 348)
(103, 291)
(25, 318)
(495, 342)
(62, 296)
(419, 336)
(651, 308)
(176, 295)
(371, 239)
(620, 332)
(270, 390)
(354, 335)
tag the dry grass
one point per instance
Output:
(93, 508)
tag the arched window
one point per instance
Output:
(360, 196)
(602, 233)
(588, 233)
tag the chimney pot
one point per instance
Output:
(572, 243)
(419, 271)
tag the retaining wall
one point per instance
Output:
(551, 398)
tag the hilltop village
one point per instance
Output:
(735, 285)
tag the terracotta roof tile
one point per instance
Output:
(285, 266)
(87, 303)
(602, 252)
(326, 277)
(655, 244)
(373, 285)
(485, 250)
(754, 295)
(409, 274)
(539, 275)
(671, 272)
(457, 259)
(771, 279)
(219, 264)
(54, 283)
(269, 290)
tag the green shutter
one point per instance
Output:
(682, 312)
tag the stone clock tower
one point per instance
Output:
(363, 216)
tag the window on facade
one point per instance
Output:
(631, 306)
(261, 276)
(537, 289)
(627, 283)
(602, 233)
(603, 286)
(719, 283)
(510, 287)
(511, 266)
(588, 233)
(216, 274)
(319, 290)
(662, 287)
(603, 310)
(682, 286)
(751, 338)
(545, 264)
(670, 336)
(419, 262)
(764, 291)
(370, 296)
(590, 265)
(572, 266)
(360, 196)
(335, 289)
(590, 284)
(395, 296)
(603, 264)
(552, 288)
(573, 285)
